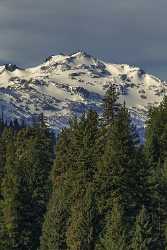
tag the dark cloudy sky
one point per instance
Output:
(120, 31)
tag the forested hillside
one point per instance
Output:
(95, 187)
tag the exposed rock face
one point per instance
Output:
(70, 84)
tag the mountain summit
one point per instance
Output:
(65, 85)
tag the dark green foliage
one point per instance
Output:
(80, 231)
(26, 186)
(114, 235)
(110, 105)
(156, 134)
(104, 191)
(9, 203)
(155, 151)
(55, 224)
(117, 169)
(73, 171)
(158, 205)
(142, 237)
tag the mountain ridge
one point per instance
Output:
(66, 85)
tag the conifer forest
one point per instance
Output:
(95, 186)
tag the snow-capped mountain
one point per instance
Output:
(70, 84)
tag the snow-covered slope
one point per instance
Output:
(70, 84)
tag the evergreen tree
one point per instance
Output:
(88, 151)
(159, 203)
(142, 238)
(155, 151)
(156, 134)
(118, 171)
(110, 105)
(56, 218)
(163, 203)
(55, 223)
(73, 170)
(9, 203)
(26, 188)
(81, 227)
(114, 236)
(142, 184)
(118, 165)
(6, 151)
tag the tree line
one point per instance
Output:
(95, 187)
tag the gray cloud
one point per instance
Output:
(120, 31)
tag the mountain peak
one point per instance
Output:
(68, 85)
(81, 54)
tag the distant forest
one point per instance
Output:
(95, 187)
